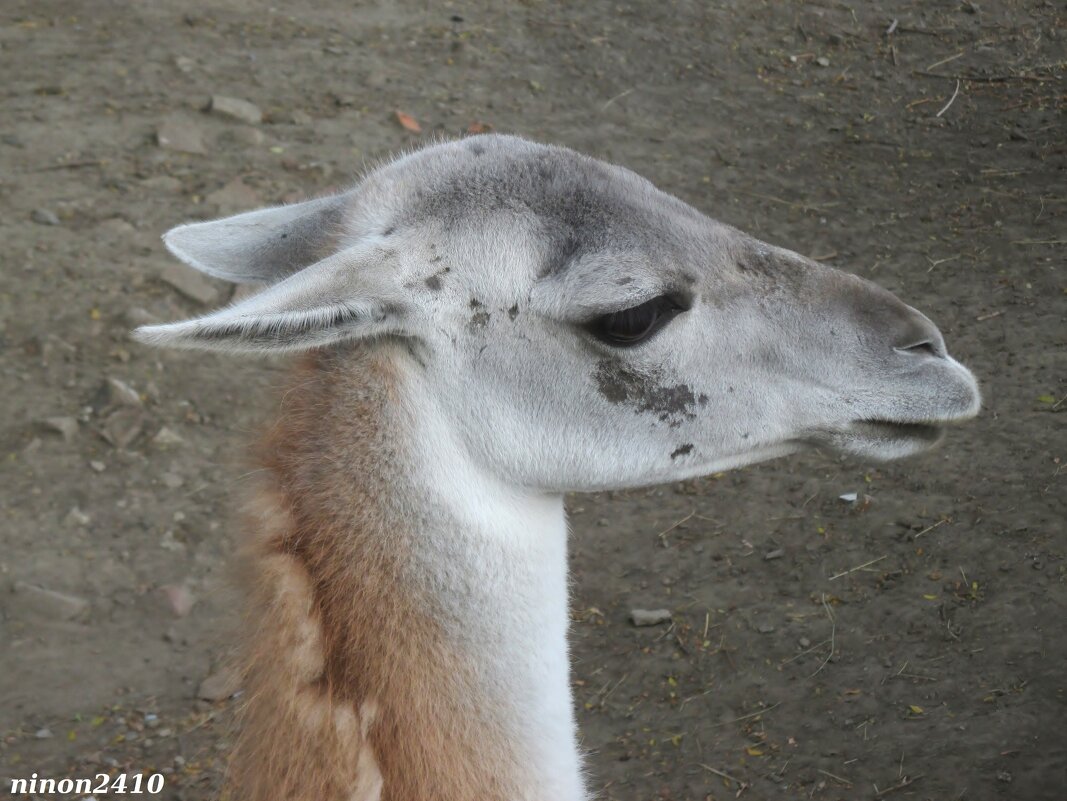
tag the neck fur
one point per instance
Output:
(408, 613)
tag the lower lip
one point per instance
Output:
(888, 428)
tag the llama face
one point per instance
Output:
(574, 327)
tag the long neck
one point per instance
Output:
(407, 625)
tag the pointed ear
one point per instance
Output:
(346, 296)
(265, 245)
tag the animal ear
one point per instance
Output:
(346, 296)
(265, 245)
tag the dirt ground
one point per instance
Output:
(910, 644)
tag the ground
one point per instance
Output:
(908, 644)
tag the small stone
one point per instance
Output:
(179, 761)
(97, 466)
(298, 117)
(804, 642)
(76, 517)
(162, 183)
(219, 686)
(251, 137)
(649, 617)
(185, 64)
(822, 61)
(180, 600)
(172, 480)
(117, 227)
(121, 394)
(171, 543)
(237, 109)
(123, 426)
(67, 426)
(777, 553)
(49, 603)
(189, 283)
(234, 196)
(765, 628)
(178, 132)
(43, 734)
(166, 437)
(44, 217)
(1004, 777)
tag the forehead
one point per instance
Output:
(569, 205)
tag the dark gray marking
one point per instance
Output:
(513, 312)
(475, 304)
(413, 352)
(682, 450)
(561, 255)
(389, 231)
(620, 384)
(433, 282)
(624, 281)
(478, 320)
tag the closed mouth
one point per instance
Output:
(892, 429)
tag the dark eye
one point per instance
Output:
(634, 325)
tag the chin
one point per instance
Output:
(884, 440)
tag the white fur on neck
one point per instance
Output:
(502, 567)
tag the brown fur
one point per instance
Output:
(345, 672)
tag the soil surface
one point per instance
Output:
(908, 644)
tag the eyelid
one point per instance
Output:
(666, 307)
(592, 313)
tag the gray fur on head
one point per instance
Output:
(497, 260)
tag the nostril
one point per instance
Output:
(926, 348)
(918, 336)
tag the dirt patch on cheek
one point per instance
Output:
(646, 393)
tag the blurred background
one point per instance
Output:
(839, 630)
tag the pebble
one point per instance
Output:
(43, 734)
(236, 195)
(804, 642)
(123, 426)
(67, 426)
(162, 183)
(777, 553)
(178, 132)
(219, 686)
(97, 466)
(249, 136)
(179, 598)
(765, 628)
(822, 61)
(50, 603)
(76, 517)
(119, 393)
(166, 437)
(299, 117)
(172, 480)
(237, 109)
(649, 617)
(189, 283)
(44, 217)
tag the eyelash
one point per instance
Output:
(628, 327)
